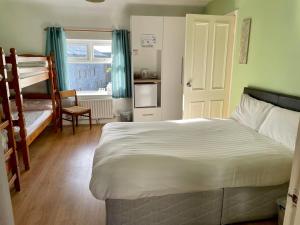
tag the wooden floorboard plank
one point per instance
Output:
(56, 190)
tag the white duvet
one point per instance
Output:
(137, 160)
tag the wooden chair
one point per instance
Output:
(73, 111)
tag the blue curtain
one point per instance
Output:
(56, 43)
(121, 65)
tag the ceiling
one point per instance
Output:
(111, 13)
(109, 3)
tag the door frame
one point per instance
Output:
(292, 209)
(234, 13)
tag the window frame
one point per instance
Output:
(90, 51)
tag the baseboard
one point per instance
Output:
(94, 121)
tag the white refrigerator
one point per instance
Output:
(145, 95)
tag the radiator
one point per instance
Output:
(101, 108)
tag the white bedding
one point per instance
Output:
(40, 65)
(136, 160)
(33, 120)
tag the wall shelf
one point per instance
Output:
(147, 81)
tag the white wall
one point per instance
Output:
(22, 24)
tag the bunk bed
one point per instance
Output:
(8, 144)
(25, 71)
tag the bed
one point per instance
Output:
(191, 172)
(25, 71)
(7, 141)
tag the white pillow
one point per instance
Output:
(251, 112)
(282, 126)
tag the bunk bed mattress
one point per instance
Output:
(3, 140)
(41, 64)
(33, 105)
(141, 160)
(33, 120)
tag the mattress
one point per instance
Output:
(33, 119)
(33, 105)
(40, 64)
(3, 141)
(138, 160)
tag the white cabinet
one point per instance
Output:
(172, 68)
(141, 26)
(147, 114)
(158, 46)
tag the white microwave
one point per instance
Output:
(145, 95)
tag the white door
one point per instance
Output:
(172, 67)
(207, 67)
(292, 213)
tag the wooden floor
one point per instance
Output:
(56, 190)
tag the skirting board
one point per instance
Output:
(94, 121)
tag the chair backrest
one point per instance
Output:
(68, 94)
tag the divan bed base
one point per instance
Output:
(223, 206)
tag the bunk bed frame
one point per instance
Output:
(34, 76)
(6, 123)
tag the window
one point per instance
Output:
(90, 65)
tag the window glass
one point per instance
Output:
(89, 64)
(77, 50)
(102, 51)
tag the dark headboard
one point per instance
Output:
(278, 99)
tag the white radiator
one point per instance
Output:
(101, 108)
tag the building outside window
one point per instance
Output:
(90, 66)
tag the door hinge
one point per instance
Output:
(294, 198)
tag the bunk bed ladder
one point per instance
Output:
(56, 119)
(22, 144)
(53, 93)
(10, 155)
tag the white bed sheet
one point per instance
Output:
(33, 120)
(137, 160)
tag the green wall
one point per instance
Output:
(274, 54)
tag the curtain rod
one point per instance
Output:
(104, 30)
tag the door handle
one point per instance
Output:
(189, 84)
(294, 198)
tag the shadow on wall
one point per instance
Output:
(222, 7)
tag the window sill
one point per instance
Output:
(93, 95)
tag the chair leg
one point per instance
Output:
(90, 117)
(73, 124)
(76, 121)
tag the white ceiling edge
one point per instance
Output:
(113, 3)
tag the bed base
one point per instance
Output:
(223, 206)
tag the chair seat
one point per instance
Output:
(76, 110)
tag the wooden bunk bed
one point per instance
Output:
(6, 129)
(27, 70)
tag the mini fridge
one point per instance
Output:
(145, 95)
